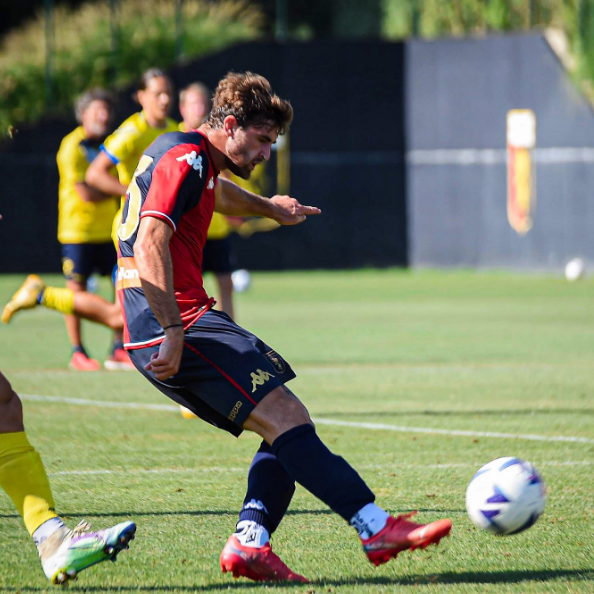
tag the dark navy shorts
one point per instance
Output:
(80, 260)
(216, 256)
(224, 373)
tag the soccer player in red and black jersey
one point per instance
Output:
(201, 359)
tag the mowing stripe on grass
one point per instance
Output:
(333, 422)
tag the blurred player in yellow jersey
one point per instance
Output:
(123, 150)
(85, 214)
(126, 145)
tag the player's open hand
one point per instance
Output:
(167, 360)
(289, 211)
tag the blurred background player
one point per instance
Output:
(24, 480)
(85, 216)
(123, 150)
(125, 146)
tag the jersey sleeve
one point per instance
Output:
(120, 145)
(71, 162)
(176, 184)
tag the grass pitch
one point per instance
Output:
(417, 378)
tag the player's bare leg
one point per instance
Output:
(85, 305)
(11, 409)
(284, 423)
(97, 309)
(79, 361)
(225, 283)
(63, 552)
(72, 321)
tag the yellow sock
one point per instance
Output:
(23, 477)
(61, 300)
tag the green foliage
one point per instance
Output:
(433, 18)
(436, 18)
(83, 55)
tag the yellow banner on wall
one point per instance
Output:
(521, 174)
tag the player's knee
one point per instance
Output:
(277, 412)
(6, 392)
(295, 412)
(115, 319)
(11, 408)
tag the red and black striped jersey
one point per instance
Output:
(175, 181)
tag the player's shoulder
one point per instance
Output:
(171, 140)
(69, 150)
(74, 138)
(135, 125)
(172, 125)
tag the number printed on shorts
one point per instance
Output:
(129, 226)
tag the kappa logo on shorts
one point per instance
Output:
(259, 378)
(276, 360)
(235, 410)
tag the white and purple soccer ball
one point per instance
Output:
(505, 496)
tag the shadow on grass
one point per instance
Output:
(467, 577)
(219, 512)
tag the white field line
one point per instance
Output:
(333, 422)
(458, 432)
(388, 466)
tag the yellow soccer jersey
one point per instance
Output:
(125, 147)
(127, 144)
(219, 226)
(80, 221)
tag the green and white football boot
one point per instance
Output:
(67, 552)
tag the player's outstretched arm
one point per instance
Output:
(235, 201)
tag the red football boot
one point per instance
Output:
(258, 564)
(399, 534)
(119, 360)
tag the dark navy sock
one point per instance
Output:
(327, 476)
(269, 491)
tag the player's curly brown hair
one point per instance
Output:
(250, 98)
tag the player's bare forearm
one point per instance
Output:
(233, 200)
(153, 261)
(99, 176)
(89, 194)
